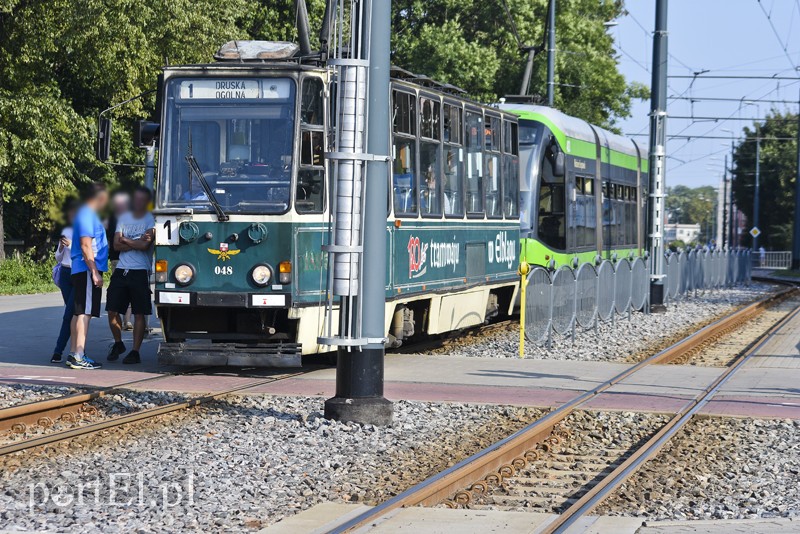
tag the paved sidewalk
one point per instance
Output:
(768, 386)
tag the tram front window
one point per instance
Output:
(240, 133)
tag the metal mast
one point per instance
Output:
(359, 165)
(551, 52)
(658, 155)
(796, 231)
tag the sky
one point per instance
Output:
(726, 38)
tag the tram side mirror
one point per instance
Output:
(145, 132)
(559, 164)
(103, 139)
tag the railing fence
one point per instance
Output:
(777, 260)
(563, 300)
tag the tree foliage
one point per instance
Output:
(778, 158)
(64, 61)
(693, 205)
(472, 45)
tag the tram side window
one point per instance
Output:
(404, 175)
(404, 153)
(510, 171)
(493, 202)
(453, 181)
(310, 193)
(452, 124)
(312, 109)
(583, 216)
(429, 118)
(473, 136)
(430, 185)
(552, 227)
(405, 114)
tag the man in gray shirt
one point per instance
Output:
(130, 283)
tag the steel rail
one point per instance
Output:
(438, 487)
(605, 487)
(33, 411)
(137, 416)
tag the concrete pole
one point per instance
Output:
(723, 231)
(796, 231)
(734, 216)
(551, 53)
(658, 155)
(359, 370)
(757, 195)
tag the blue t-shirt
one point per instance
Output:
(87, 224)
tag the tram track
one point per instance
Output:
(460, 484)
(78, 402)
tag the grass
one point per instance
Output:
(22, 275)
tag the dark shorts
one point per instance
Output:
(87, 295)
(129, 288)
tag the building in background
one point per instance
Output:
(688, 233)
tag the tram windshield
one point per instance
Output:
(240, 133)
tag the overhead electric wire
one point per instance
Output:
(784, 46)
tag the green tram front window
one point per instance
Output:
(240, 132)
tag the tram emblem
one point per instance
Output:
(224, 253)
(417, 256)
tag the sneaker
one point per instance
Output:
(116, 351)
(83, 362)
(129, 326)
(56, 358)
(132, 357)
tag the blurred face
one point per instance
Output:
(121, 204)
(71, 216)
(141, 201)
(102, 200)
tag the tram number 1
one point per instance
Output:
(167, 231)
(223, 270)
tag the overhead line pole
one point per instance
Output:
(658, 157)
(551, 52)
(756, 196)
(796, 230)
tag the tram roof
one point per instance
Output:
(576, 136)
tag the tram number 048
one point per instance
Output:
(223, 270)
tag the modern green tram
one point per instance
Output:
(583, 190)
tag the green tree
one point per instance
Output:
(61, 63)
(688, 205)
(778, 139)
(471, 45)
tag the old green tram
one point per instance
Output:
(583, 190)
(242, 200)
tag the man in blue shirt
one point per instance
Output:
(89, 253)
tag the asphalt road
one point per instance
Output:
(29, 327)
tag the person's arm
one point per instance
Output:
(143, 243)
(88, 257)
(120, 244)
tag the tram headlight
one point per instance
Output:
(184, 274)
(261, 275)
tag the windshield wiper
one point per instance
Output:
(195, 168)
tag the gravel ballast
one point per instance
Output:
(718, 469)
(238, 464)
(621, 341)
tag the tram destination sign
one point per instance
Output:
(234, 89)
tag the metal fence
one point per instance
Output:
(563, 300)
(776, 260)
